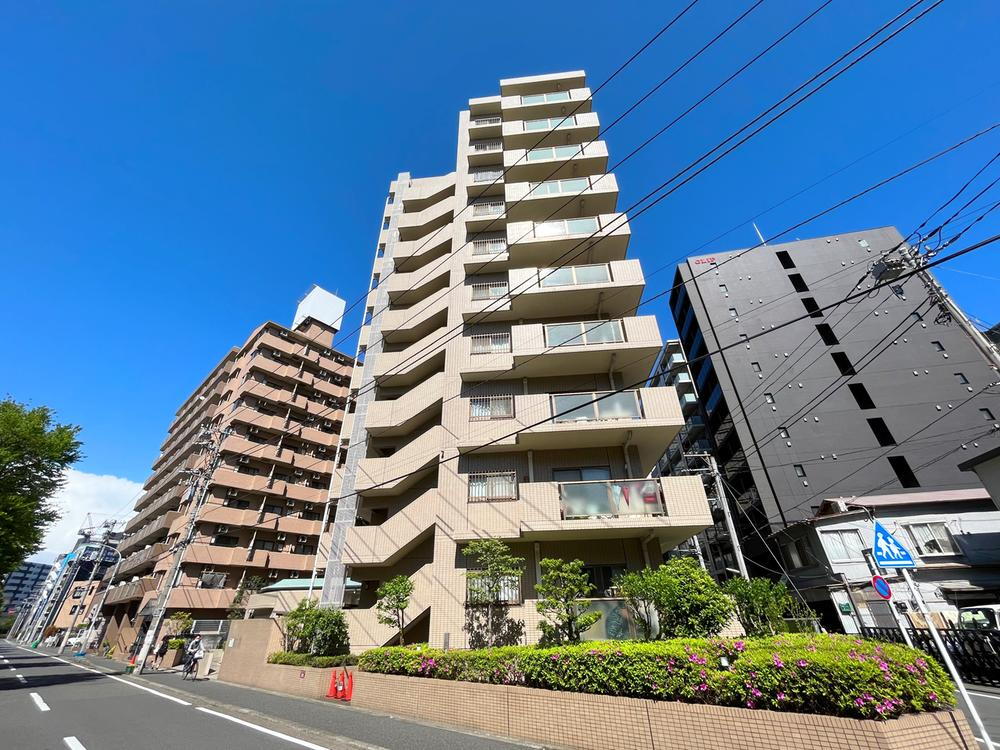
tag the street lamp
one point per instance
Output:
(76, 616)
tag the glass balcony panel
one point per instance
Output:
(574, 407)
(636, 497)
(555, 277)
(586, 225)
(574, 185)
(618, 406)
(560, 334)
(539, 154)
(592, 274)
(550, 228)
(604, 332)
(566, 152)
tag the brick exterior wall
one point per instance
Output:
(596, 722)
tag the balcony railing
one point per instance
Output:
(550, 123)
(582, 407)
(572, 185)
(487, 120)
(480, 147)
(492, 486)
(484, 408)
(489, 290)
(574, 275)
(490, 343)
(611, 499)
(489, 244)
(486, 175)
(551, 96)
(477, 594)
(585, 333)
(560, 227)
(488, 208)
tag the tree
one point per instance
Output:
(320, 631)
(179, 623)
(687, 601)
(496, 571)
(761, 604)
(34, 456)
(562, 591)
(392, 600)
(247, 588)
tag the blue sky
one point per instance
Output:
(175, 172)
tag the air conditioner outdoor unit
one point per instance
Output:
(317, 477)
(272, 574)
(280, 537)
(221, 529)
(232, 493)
(299, 472)
(321, 449)
(327, 423)
(323, 373)
(308, 506)
(290, 503)
(303, 539)
(244, 459)
(253, 430)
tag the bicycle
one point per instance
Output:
(190, 670)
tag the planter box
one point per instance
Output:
(172, 658)
(599, 722)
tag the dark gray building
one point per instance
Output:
(22, 584)
(867, 397)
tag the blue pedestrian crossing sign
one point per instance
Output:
(888, 552)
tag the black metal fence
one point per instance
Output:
(976, 653)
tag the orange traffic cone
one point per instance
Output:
(332, 692)
(349, 689)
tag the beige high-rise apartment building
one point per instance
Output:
(502, 305)
(270, 412)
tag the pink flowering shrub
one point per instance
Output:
(820, 674)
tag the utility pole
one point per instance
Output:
(720, 494)
(211, 437)
(103, 545)
(104, 595)
(56, 597)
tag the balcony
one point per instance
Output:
(415, 254)
(590, 239)
(549, 131)
(485, 214)
(485, 152)
(292, 523)
(485, 127)
(415, 226)
(159, 526)
(556, 162)
(629, 346)
(131, 591)
(166, 502)
(417, 320)
(486, 249)
(424, 192)
(570, 198)
(141, 560)
(615, 288)
(485, 181)
(401, 470)
(646, 418)
(413, 364)
(386, 543)
(415, 285)
(545, 104)
(669, 508)
(404, 414)
(186, 598)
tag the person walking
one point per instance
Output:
(161, 651)
(195, 652)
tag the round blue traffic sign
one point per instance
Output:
(881, 587)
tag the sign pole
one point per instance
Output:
(895, 612)
(946, 658)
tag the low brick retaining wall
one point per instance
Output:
(598, 722)
(305, 682)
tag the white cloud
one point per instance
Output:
(102, 495)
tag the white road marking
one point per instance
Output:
(265, 730)
(21, 678)
(73, 743)
(42, 706)
(985, 695)
(124, 682)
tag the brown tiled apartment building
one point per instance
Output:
(274, 407)
(502, 299)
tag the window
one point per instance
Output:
(492, 485)
(276, 509)
(723, 288)
(602, 578)
(843, 545)
(932, 539)
(574, 275)
(310, 515)
(755, 366)
(785, 259)
(798, 283)
(78, 592)
(304, 549)
(811, 307)
(579, 334)
(799, 470)
(490, 343)
(843, 363)
(385, 222)
(552, 96)
(491, 407)
(269, 545)
(550, 123)
(768, 398)
(226, 541)
(391, 199)
(826, 333)
(489, 290)
(881, 431)
(938, 346)
(903, 471)
(582, 407)
(796, 554)
(860, 394)
(586, 225)
(374, 280)
(783, 432)
(582, 474)
(987, 415)
(380, 252)
(733, 313)
(72, 610)
(960, 377)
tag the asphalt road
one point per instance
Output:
(49, 703)
(987, 702)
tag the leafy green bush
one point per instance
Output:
(819, 674)
(309, 660)
(319, 631)
(176, 643)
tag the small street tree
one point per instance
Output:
(561, 593)
(247, 588)
(179, 623)
(34, 456)
(392, 600)
(761, 604)
(637, 589)
(497, 570)
(320, 631)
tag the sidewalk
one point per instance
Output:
(328, 722)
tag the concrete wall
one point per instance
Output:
(595, 722)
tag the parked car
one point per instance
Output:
(981, 617)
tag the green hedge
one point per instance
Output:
(818, 674)
(308, 660)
